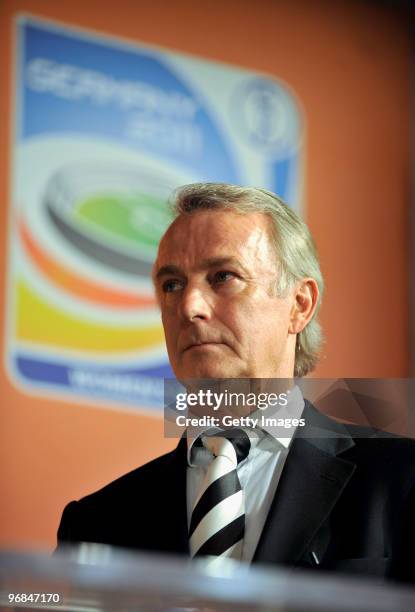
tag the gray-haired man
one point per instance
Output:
(239, 286)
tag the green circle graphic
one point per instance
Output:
(134, 219)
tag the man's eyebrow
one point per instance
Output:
(168, 270)
(211, 262)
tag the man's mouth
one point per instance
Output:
(200, 345)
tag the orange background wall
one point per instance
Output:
(349, 64)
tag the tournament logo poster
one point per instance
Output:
(104, 131)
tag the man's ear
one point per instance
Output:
(305, 298)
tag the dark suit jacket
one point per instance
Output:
(344, 503)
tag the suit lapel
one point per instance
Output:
(174, 534)
(311, 484)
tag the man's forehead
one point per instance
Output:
(216, 226)
(203, 238)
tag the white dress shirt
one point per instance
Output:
(258, 474)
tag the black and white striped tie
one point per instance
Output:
(217, 525)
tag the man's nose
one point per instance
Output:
(195, 304)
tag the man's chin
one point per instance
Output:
(207, 371)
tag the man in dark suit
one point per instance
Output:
(239, 287)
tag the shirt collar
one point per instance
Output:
(292, 410)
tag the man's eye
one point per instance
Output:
(223, 276)
(171, 285)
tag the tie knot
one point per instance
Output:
(231, 443)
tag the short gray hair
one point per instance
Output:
(295, 248)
